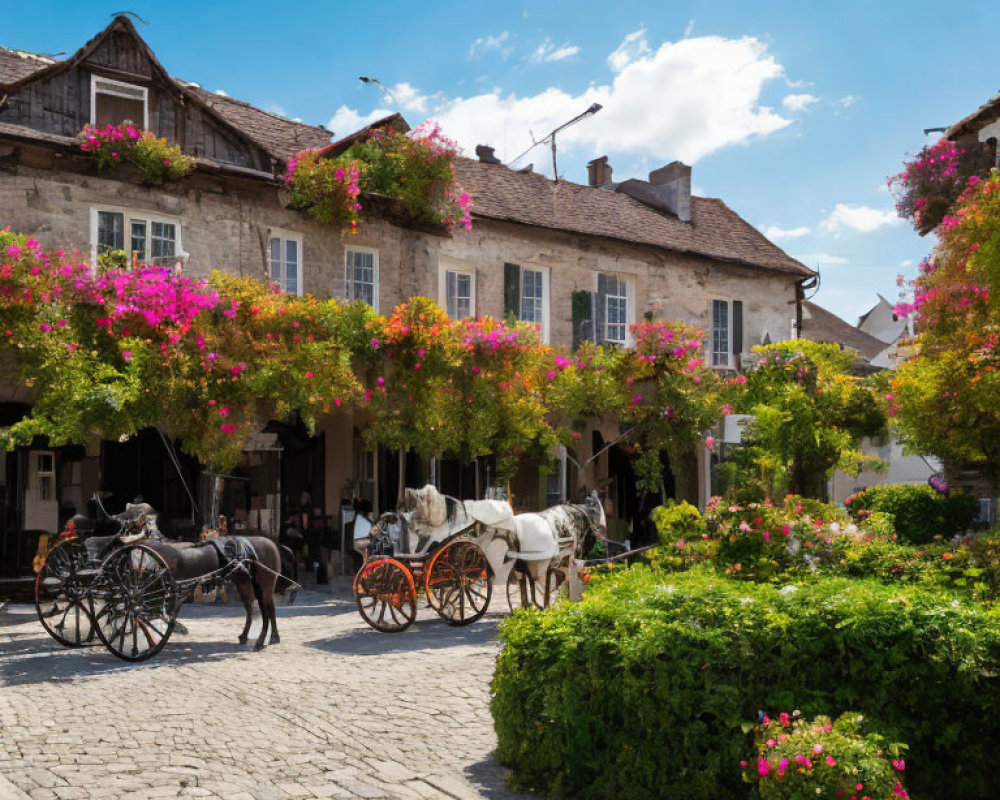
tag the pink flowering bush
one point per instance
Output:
(156, 160)
(929, 185)
(764, 541)
(800, 760)
(327, 190)
(414, 169)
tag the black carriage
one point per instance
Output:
(111, 581)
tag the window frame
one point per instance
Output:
(446, 265)
(630, 291)
(710, 358)
(546, 299)
(284, 236)
(127, 91)
(348, 282)
(139, 216)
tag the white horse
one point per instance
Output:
(540, 546)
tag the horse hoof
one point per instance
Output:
(243, 640)
(259, 646)
(275, 640)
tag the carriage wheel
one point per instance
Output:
(63, 596)
(137, 606)
(383, 590)
(459, 582)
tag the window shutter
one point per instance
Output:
(600, 308)
(583, 317)
(512, 290)
(737, 329)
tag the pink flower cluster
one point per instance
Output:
(158, 297)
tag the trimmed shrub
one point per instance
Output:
(919, 513)
(651, 685)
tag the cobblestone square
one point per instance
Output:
(335, 710)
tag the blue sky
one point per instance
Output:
(793, 113)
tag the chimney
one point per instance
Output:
(598, 172)
(672, 185)
(485, 155)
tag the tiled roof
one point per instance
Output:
(985, 114)
(715, 230)
(18, 64)
(281, 137)
(819, 325)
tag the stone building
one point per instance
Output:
(615, 252)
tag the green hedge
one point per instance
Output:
(648, 688)
(919, 513)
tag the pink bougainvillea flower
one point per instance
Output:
(127, 355)
(763, 767)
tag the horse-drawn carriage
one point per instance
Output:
(453, 552)
(118, 581)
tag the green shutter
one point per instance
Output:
(512, 290)
(582, 317)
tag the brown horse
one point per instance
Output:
(259, 580)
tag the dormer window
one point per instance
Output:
(114, 102)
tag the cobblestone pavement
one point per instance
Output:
(335, 710)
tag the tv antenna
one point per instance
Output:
(551, 137)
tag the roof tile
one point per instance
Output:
(715, 230)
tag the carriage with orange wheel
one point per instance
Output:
(451, 552)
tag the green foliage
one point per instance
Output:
(810, 412)
(799, 760)
(945, 397)
(918, 512)
(649, 687)
(325, 189)
(762, 541)
(414, 169)
(683, 535)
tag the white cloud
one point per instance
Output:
(798, 102)
(221, 93)
(818, 259)
(633, 47)
(906, 263)
(857, 219)
(548, 52)
(847, 100)
(484, 44)
(774, 232)
(684, 100)
(689, 29)
(346, 120)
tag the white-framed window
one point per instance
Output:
(285, 260)
(459, 293)
(147, 238)
(532, 296)
(615, 307)
(44, 474)
(526, 295)
(457, 288)
(361, 275)
(115, 102)
(726, 343)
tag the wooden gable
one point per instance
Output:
(57, 99)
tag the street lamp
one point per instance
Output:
(376, 82)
